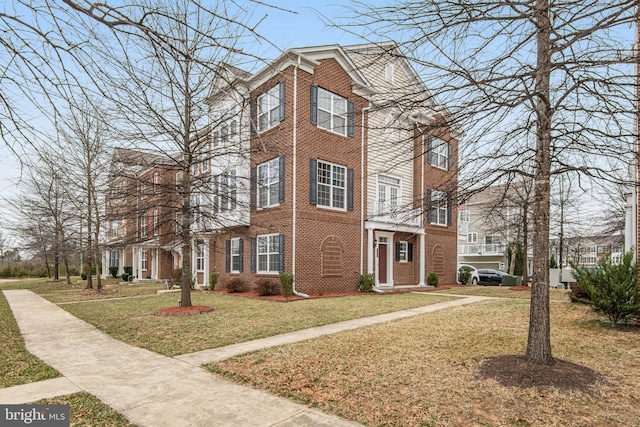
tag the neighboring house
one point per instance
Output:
(488, 221)
(588, 250)
(329, 162)
(140, 222)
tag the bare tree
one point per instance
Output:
(535, 83)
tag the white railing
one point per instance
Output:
(482, 249)
(392, 214)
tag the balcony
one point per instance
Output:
(392, 214)
(482, 249)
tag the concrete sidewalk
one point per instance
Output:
(155, 390)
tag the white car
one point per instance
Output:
(475, 277)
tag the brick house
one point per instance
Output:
(327, 163)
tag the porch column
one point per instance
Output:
(370, 265)
(205, 274)
(121, 263)
(422, 262)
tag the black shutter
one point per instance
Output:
(254, 187)
(253, 115)
(450, 155)
(449, 209)
(227, 259)
(313, 182)
(350, 189)
(430, 149)
(397, 251)
(216, 194)
(350, 119)
(233, 194)
(281, 180)
(281, 254)
(241, 267)
(253, 255)
(281, 85)
(314, 105)
(409, 251)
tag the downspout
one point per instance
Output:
(362, 195)
(295, 174)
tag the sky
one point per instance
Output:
(291, 23)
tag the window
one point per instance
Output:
(492, 240)
(270, 108)
(472, 237)
(114, 258)
(331, 185)
(464, 216)
(224, 134)
(389, 71)
(114, 229)
(156, 181)
(155, 222)
(438, 207)
(178, 223)
(269, 183)
(143, 190)
(178, 181)
(332, 112)
(204, 157)
(196, 203)
(234, 249)
(227, 190)
(234, 127)
(270, 253)
(143, 260)
(200, 257)
(194, 163)
(143, 226)
(440, 153)
(388, 193)
(402, 252)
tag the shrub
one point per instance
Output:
(367, 282)
(237, 285)
(267, 287)
(128, 269)
(286, 284)
(612, 288)
(124, 277)
(432, 279)
(6, 272)
(464, 275)
(213, 279)
(83, 275)
(113, 270)
(578, 294)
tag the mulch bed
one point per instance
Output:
(184, 311)
(515, 371)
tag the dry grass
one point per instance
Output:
(234, 319)
(421, 371)
(502, 292)
(88, 410)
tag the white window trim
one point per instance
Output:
(389, 72)
(331, 186)
(441, 209)
(331, 113)
(271, 109)
(234, 254)
(143, 260)
(472, 237)
(405, 251)
(269, 164)
(380, 180)
(200, 256)
(155, 222)
(438, 146)
(269, 254)
(143, 226)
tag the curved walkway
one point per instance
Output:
(154, 390)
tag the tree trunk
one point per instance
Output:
(539, 339)
(66, 269)
(525, 244)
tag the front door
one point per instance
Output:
(382, 263)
